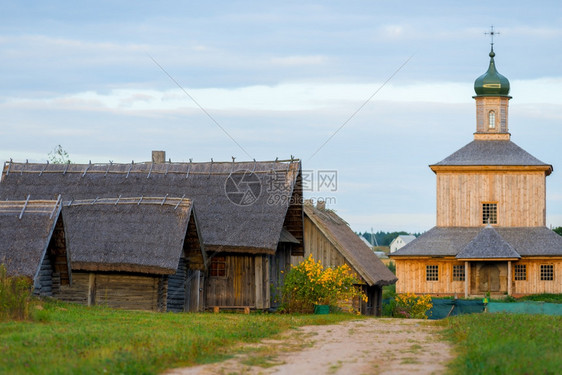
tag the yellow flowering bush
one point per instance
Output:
(412, 306)
(310, 283)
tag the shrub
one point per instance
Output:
(411, 306)
(309, 283)
(15, 294)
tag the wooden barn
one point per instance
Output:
(491, 234)
(33, 244)
(134, 253)
(328, 238)
(249, 213)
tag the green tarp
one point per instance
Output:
(451, 307)
(526, 307)
(443, 308)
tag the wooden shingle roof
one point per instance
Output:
(450, 241)
(351, 247)
(488, 244)
(492, 153)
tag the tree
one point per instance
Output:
(59, 156)
(558, 230)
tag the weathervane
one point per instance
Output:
(492, 33)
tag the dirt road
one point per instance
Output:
(372, 346)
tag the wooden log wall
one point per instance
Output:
(534, 284)
(78, 291)
(238, 287)
(118, 290)
(520, 196)
(43, 285)
(177, 288)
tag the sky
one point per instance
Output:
(366, 93)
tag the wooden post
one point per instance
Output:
(259, 281)
(246, 310)
(216, 309)
(509, 277)
(92, 289)
(267, 283)
(466, 279)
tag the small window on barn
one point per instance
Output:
(458, 272)
(432, 273)
(489, 213)
(218, 267)
(520, 272)
(547, 272)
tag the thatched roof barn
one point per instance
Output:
(125, 249)
(330, 239)
(249, 213)
(32, 243)
(218, 189)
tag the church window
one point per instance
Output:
(520, 272)
(547, 272)
(458, 272)
(489, 213)
(492, 120)
(432, 273)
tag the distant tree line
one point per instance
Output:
(558, 230)
(384, 238)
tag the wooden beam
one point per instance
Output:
(466, 279)
(509, 277)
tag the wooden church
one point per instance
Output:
(491, 234)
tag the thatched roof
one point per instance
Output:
(26, 229)
(364, 261)
(450, 241)
(497, 153)
(241, 207)
(128, 234)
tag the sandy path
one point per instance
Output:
(372, 346)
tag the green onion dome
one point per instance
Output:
(491, 83)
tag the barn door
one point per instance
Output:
(489, 278)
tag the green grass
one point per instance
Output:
(70, 339)
(506, 343)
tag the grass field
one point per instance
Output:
(506, 344)
(66, 338)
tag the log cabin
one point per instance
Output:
(249, 213)
(491, 235)
(328, 238)
(137, 253)
(33, 244)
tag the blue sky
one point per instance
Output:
(281, 79)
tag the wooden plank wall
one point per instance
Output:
(412, 277)
(280, 264)
(521, 198)
(319, 246)
(534, 284)
(238, 287)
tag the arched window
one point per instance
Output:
(492, 120)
